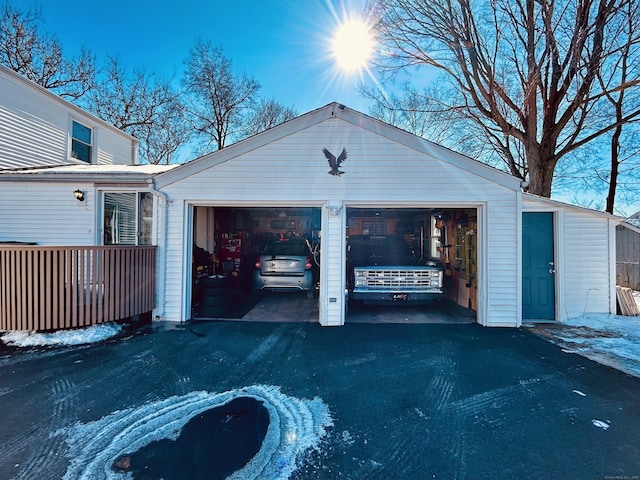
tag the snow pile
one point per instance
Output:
(295, 425)
(81, 336)
(609, 339)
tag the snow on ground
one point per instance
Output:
(295, 426)
(80, 336)
(611, 340)
(610, 335)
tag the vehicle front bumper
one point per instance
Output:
(388, 297)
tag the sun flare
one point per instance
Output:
(352, 45)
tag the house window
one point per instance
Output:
(128, 218)
(81, 137)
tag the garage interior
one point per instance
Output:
(227, 240)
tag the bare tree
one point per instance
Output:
(525, 70)
(217, 98)
(622, 67)
(144, 106)
(37, 56)
(425, 113)
(267, 114)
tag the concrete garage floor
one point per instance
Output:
(407, 401)
(295, 307)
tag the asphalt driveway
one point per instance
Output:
(418, 401)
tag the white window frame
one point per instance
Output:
(73, 139)
(137, 230)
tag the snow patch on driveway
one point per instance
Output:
(295, 426)
(80, 336)
(611, 340)
(600, 424)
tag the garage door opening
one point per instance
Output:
(250, 262)
(412, 265)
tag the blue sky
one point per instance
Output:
(284, 44)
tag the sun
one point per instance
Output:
(352, 45)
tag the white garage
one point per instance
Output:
(473, 218)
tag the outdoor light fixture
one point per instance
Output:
(79, 194)
(334, 208)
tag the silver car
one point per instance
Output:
(285, 264)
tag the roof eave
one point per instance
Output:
(71, 106)
(120, 178)
(246, 145)
(558, 203)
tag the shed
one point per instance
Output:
(511, 257)
(628, 253)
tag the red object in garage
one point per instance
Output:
(231, 257)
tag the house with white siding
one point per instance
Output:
(51, 153)
(74, 205)
(40, 129)
(508, 256)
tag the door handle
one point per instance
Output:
(552, 270)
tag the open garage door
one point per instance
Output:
(248, 257)
(412, 264)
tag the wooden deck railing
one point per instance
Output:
(52, 288)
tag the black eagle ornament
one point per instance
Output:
(334, 162)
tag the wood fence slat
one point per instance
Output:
(100, 279)
(50, 288)
(55, 297)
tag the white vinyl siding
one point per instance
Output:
(378, 172)
(46, 213)
(36, 127)
(502, 260)
(332, 280)
(586, 267)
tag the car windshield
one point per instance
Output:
(379, 246)
(379, 250)
(286, 247)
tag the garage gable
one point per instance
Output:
(379, 159)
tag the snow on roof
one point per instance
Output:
(86, 173)
(92, 169)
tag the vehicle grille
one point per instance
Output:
(402, 278)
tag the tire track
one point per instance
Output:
(51, 449)
(439, 391)
(256, 363)
(484, 402)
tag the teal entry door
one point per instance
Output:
(538, 267)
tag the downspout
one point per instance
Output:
(160, 313)
(135, 148)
